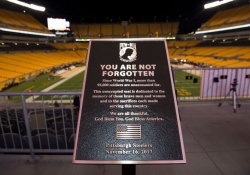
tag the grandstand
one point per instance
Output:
(228, 18)
(17, 21)
(38, 54)
(136, 30)
(215, 49)
(39, 67)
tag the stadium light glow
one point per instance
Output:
(216, 3)
(223, 29)
(32, 6)
(26, 32)
(167, 38)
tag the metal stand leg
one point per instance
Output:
(33, 160)
(129, 169)
(235, 101)
(225, 97)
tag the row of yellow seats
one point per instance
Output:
(19, 19)
(240, 52)
(132, 29)
(226, 18)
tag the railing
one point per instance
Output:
(211, 84)
(32, 123)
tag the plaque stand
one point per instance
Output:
(128, 169)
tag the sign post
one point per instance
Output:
(128, 113)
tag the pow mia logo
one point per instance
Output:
(128, 52)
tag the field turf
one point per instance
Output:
(184, 84)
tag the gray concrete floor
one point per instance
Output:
(216, 140)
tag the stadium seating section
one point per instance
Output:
(138, 30)
(52, 135)
(21, 64)
(18, 67)
(213, 56)
(228, 18)
(21, 21)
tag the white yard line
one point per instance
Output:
(28, 88)
(74, 72)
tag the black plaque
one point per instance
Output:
(128, 112)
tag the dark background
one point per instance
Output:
(190, 13)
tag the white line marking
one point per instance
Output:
(29, 88)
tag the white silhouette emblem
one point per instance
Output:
(128, 52)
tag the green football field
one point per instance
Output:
(42, 82)
(73, 84)
(185, 84)
(35, 85)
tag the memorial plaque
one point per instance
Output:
(128, 112)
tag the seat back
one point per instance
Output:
(60, 125)
(67, 132)
(72, 141)
(36, 131)
(13, 140)
(48, 141)
(5, 129)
